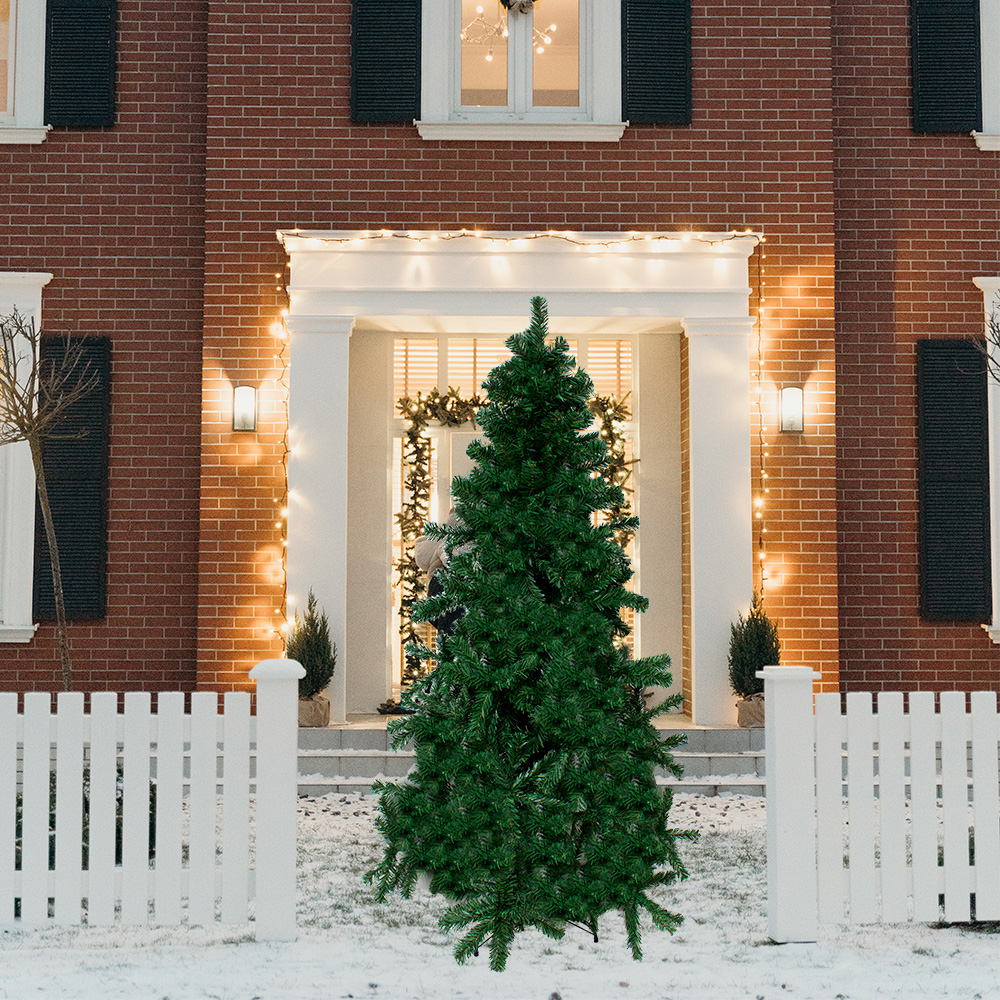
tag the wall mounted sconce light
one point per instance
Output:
(244, 408)
(791, 413)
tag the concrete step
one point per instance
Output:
(350, 758)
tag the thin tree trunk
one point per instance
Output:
(50, 535)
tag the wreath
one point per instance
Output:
(518, 6)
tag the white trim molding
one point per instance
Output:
(989, 49)
(523, 131)
(990, 287)
(21, 291)
(475, 283)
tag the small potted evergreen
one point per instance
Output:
(753, 645)
(309, 643)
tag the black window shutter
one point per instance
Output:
(80, 63)
(947, 85)
(656, 62)
(76, 476)
(385, 60)
(955, 580)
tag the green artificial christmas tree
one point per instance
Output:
(533, 802)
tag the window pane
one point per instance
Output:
(470, 361)
(556, 54)
(609, 364)
(484, 54)
(414, 368)
(6, 57)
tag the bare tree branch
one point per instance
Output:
(35, 396)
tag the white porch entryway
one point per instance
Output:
(352, 293)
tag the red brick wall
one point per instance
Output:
(918, 216)
(282, 153)
(116, 216)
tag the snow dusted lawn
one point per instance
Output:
(351, 947)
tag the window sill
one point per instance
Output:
(524, 131)
(988, 141)
(16, 135)
(17, 633)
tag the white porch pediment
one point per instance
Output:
(481, 283)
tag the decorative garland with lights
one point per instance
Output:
(613, 413)
(453, 410)
(448, 410)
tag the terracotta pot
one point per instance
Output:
(314, 712)
(750, 712)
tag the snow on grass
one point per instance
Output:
(351, 947)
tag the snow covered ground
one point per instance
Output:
(351, 947)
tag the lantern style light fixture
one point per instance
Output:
(244, 408)
(790, 417)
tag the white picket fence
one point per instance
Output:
(223, 839)
(888, 817)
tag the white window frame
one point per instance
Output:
(25, 125)
(597, 119)
(23, 291)
(989, 45)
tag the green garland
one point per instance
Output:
(453, 410)
(448, 410)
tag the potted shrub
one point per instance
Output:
(309, 643)
(753, 645)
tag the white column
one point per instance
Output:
(991, 289)
(721, 525)
(20, 290)
(789, 738)
(317, 478)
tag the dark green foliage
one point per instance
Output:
(753, 645)
(533, 801)
(309, 643)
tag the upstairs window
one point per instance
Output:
(519, 61)
(522, 69)
(57, 66)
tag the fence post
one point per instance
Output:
(277, 791)
(789, 734)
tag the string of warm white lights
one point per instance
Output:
(281, 503)
(567, 236)
(763, 489)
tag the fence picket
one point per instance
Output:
(8, 800)
(202, 804)
(135, 809)
(102, 808)
(169, 806)
(102, 827)
(955, 805)
(895, 881)
(829, 808)
(69, 807)
(35, 813)
(861, 806)
(986, 804)
(923, 806)
(236, 807)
